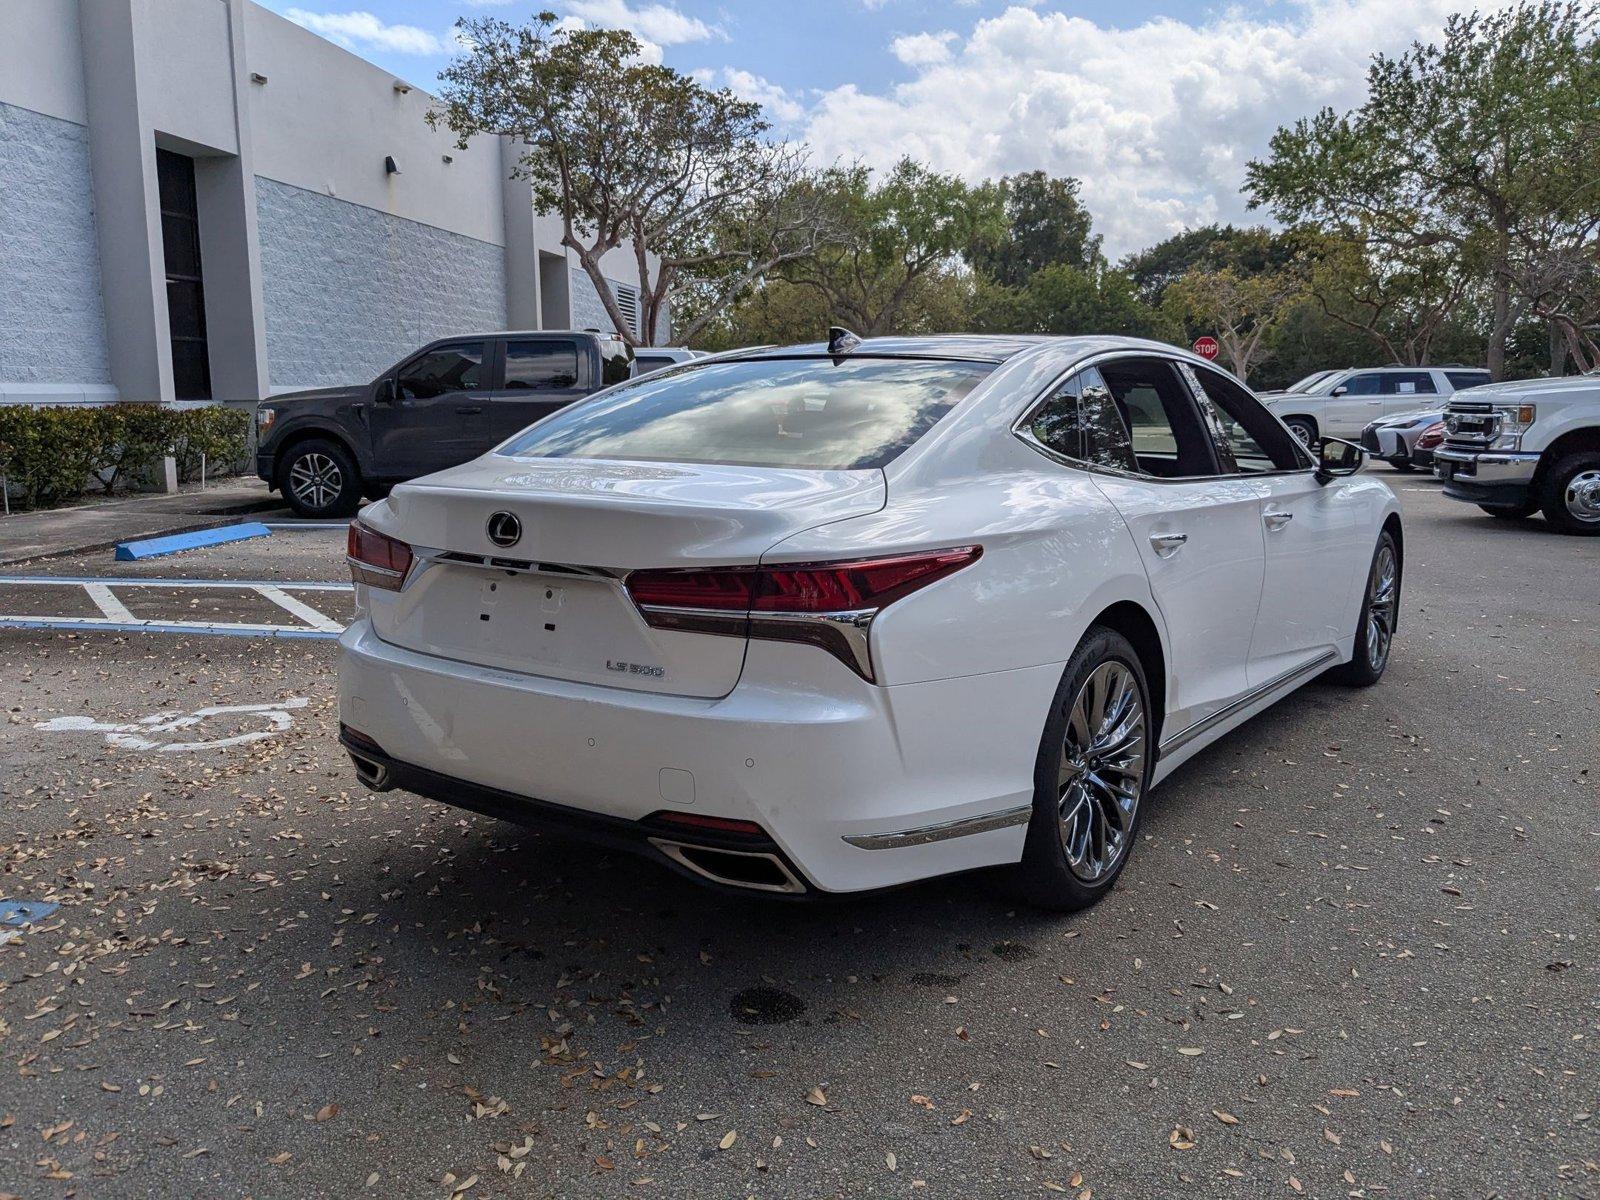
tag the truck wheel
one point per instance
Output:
(319, 479)
(1570, 495)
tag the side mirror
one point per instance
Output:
(1339, 391)
(387, 391)
(1336, 457)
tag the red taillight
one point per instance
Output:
(376, 559)
(1432, 436)
(871, 583)
(784, 602)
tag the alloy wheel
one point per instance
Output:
(316, 480)
(1582, 496)
(1101, 772)
(1382, 593)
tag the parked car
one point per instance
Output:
(1519, 448)
(447, 403)
(1342, 403)
(834, 617)
(659, 358)
(1393, 439)
(1428, 441)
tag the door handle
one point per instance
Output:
(470, 410)
(1277, 519)
(1168, 543)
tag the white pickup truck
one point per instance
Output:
(1515, 449)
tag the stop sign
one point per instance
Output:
(1206, 347)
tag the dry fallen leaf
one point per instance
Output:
(817, 1096)
(1181, 1138)
(728, 1139)
(326, 1112)
(1227, 1118)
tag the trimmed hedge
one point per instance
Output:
(52, 454)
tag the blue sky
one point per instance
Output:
(1155, 104)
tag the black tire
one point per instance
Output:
(376, 491)
(1570, 494)
(1303, 428)
(1514, 513)
(1403, 465)
(319, 479)
(1366, 667)
(1047, 877)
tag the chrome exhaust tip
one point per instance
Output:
(753, 870)
(374, 775)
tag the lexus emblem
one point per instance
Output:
(504, 529)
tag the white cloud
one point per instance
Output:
(362, 30)
(659, 23)
(923, 49)
(1158, 120)
(780, 105)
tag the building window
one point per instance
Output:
(186, 298)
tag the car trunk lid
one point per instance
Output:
(552, 602)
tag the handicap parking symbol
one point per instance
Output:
(14, 914)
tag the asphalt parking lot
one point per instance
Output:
(1356, 954)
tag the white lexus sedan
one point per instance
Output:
(836, 617)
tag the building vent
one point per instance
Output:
(628, 302)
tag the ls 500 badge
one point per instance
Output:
(628, 668)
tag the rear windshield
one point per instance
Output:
(774, 412)
(1461, 380)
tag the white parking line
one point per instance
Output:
(116, 617)
(305, 612)
(113, 608)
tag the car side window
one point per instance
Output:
(1248, 438)
(541, 365)
(1080, 421)
(1363, 385)
(1461, 380)
(1161, 417)
(455, 368)
(1409, 383)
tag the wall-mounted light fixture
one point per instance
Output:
(402, 87)
(390, 167)
(257, 77)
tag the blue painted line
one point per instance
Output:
(25, 912)
(90, 625)
(155, 547)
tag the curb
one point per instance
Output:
(182, 523)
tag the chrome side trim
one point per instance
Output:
(675, 851)
(853, 627)
(926, 834)
(1184, 736)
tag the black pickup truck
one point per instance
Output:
(449, 402)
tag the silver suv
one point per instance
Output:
(1343, 403)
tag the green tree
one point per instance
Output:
(1242, 311)
(1464, 145)
(895, 236)
(1210, 248)
(1045, 224)
(622, 150)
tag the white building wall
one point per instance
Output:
(349, 290)
(320, 266)
(52, 322)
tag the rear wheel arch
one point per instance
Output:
(1135, 623)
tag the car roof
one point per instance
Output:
(979, 347)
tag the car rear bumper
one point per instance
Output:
(855, 787)
(1495, 479)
